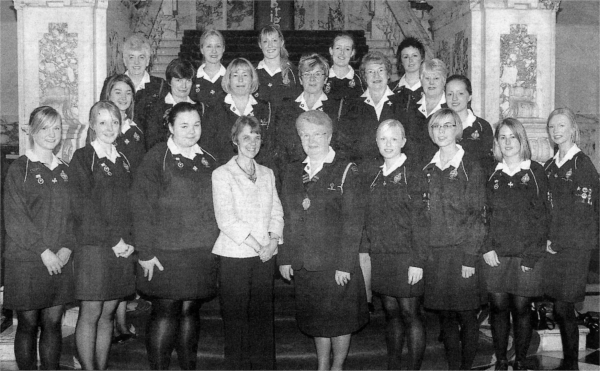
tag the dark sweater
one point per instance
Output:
(573, 195)
(408, 97)
(102, 199)
(395, 220)
(172, 203)
(337, 88)
(207, 92)
(326, 236)
(216, 131)
(272, 89)
(456, 204)
(37, 210)
(517, 214)
(132, 144)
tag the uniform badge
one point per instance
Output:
(327, 88)
(550, 199)
(331, 187)
(475, 135)
(589, 198)
(204, 162)
(136, 136)
(269, 85)
(453, 174)
(302, 105)
(54, 180)
(525, 179)
(212, 92)
(306, 203)
(64, 176)
(511, 184)
(264, 122)
(496, 185)
(106, 169)
(195, 168)
(256, 95)
(197, 88)
(568, 174)
(179, 163)
(352, 84)
(398, 178)
(126, 141)
(389, 103)
(426, 199)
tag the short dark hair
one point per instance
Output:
(407, 43)
(465, 80)
(180, 69)
(180, 107)
(242, 122)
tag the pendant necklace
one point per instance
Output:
(251, 175)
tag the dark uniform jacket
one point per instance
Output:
(273, 89)
(132, 144)
(337, 88)
(573, 196)
(173, 204)
(323, 219)
(205, 91)
(456, 200)
(517, 213)
(396, 217)
(37, 209)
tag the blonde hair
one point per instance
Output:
(434, 66)
(569, 114)
(107, 105)
(389, 124)
(284, 56)
(40, 117)
(517, 128)
(441, 115)
(236, 64)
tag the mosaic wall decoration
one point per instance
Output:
(444, 52)
(333, 14)
(115, 54)
(58, 83)
(359, 14)
(518, 70)
(240, 14)
(209, 13)
(460, 54)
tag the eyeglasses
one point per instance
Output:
(315, 75)
(315, 136)
(446, 126)
(379, 72)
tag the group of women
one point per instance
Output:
(385, 187)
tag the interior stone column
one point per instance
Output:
(516, 51)
(62, 57)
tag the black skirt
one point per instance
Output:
(565, 275)
(509, 278)
(326, 309)
(389, 276)
(101, 275)
(445, 288)
(29, 286)
(188, 275)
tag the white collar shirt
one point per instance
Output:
(399, 162)
(102, 153)
(263, 66)
(196, 150)
(455, 161)
(312, 170)
(247, 110)
(570, 153)
(304, 105)
(201, 74)
(379, 106)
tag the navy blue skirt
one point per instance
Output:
(29, 286)
(326, 309)
(389, 276)
(509, 278)
(565, 275)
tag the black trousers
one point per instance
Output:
(246, 293)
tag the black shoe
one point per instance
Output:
(501, 365)
(371, 308)
(520, 365)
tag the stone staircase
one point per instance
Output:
(168, 50)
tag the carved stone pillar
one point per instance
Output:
(516, 73)
(62, 58)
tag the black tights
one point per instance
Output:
(564, 314)
(403, 317)
(460, 331)
(173, 324)
(502, 305)
(49, 319)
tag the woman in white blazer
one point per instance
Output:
(250, 219)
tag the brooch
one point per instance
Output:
(195, 168)
(64, 176)
(352, 84)
(327, 88)
(39, 178)
(204, 162)
(269, 85)
(306, 203)
(54, 180)
(389, 103)
(453, 174)
(398, 178)
(256, 95)
(197, 88)
(496, 185)
(212, 92)
(331, 187)
(568, 174)
(136, 136)
(179, 163)
(525, 179)
(511, 184)
(126, 141)
(106, 169)
(475, 135)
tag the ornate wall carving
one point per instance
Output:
(240, 14)
(209, 13)
(59, 80)
(518, 73)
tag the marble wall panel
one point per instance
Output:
(209, 13)
(518, 73)
(240, 14)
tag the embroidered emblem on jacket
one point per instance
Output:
(306, 203)
(204, 162)
(525, 179)
(475, 135)
(136, 136)
(352, 84)
(397, 178)
(453, 174)
(64, 176)
(327, 88)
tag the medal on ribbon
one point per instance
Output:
(179, 163)
(496, 185)
(453, 174)
(64, 176)
(352, 84)
(475, 135)
(525, 179)
(204, 162)
(106, 169)
(39, 179)
(136, 136)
